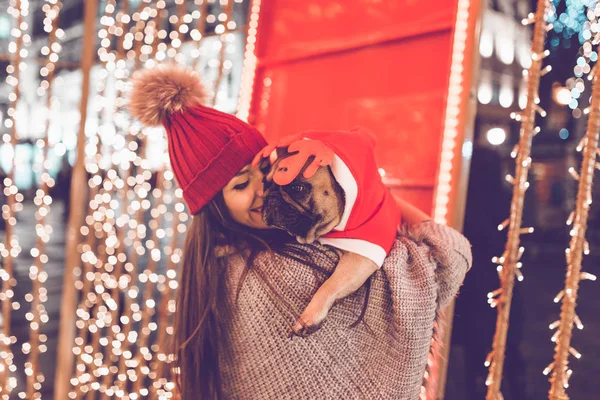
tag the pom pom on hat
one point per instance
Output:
(207, 147)
(164, 90)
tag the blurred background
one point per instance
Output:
(126, 180)
(564, 93)
(215, 41)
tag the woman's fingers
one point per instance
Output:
(256, 159)
(264, 153)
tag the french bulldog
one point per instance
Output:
(305, 208)
(309, 208)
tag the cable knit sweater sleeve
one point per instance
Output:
(383, 358)
(450, 250)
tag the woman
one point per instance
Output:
(242, 285)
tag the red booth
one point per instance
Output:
(403, 69)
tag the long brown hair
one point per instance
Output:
(203, 309)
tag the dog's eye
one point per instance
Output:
(297, 188)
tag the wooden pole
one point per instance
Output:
(512, 253)
(35, 379)
(65, 356)
(8, 282)
(560, 376)
(148, 312)
(162, 367)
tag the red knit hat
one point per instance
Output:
(206, 147)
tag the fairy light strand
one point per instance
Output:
(162, 385)
(250, 62)
(38, 295)
(149, 278)
(122, 336)
(142, 362)
(138, 365)
(121, 272)
(11, 250)
(559, 380)
(137, 194)
(509, 262)
(130, 311)
(119, 227)
(450, 137)
(453, 110)
(127, 278)
(129, 366)
(85, 280)
(197, 33)
(95, 237)
(118, 275)
(222, 29)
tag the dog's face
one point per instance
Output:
(306, 208)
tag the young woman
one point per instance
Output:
(242, 285)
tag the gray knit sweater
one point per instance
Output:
(385, 360)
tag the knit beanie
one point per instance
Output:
(207, 147)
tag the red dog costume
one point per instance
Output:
(370, 219)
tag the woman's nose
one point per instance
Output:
(260, 192)
(260, 188)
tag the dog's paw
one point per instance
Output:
(312, 318)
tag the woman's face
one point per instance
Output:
(243, 197)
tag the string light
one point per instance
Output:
(453, 110)
(250, 60)
(222, 29)
(133, 202)
(135, 364)
(451, 145)
(150, 277)
(124, 207)
(18, 9)
(96, 234)
(509, 266)
(38, 295)
(163, 386)
(123, 227)
(198, 32)
(124, 319)
(559, 381)
(124, 337)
